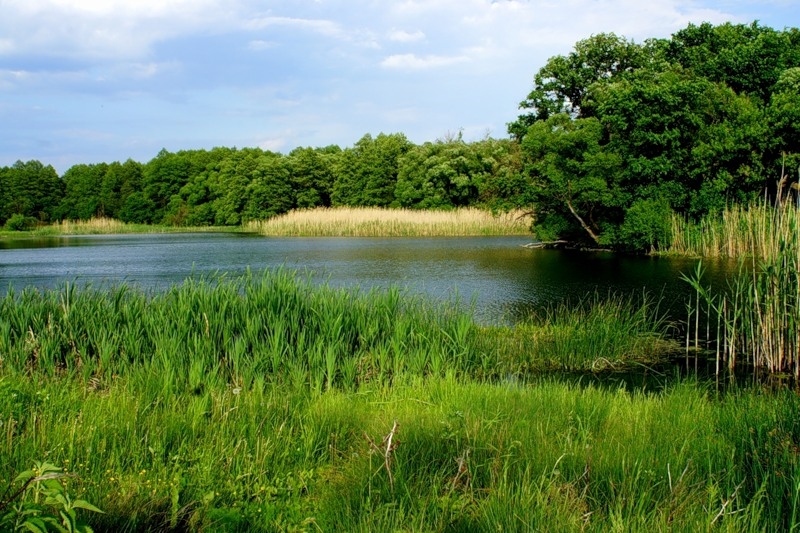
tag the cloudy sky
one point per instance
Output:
(86, 81)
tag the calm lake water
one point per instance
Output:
(504, 279)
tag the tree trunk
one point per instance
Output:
(584, 225)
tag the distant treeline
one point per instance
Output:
(617, 137)
(226, 186)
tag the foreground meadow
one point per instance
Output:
(267, 403)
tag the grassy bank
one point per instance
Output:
(103, 226)
(378, 222)
(267, 403)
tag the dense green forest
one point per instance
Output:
(616, 137)
(226, 186)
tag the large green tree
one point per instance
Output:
(270, 192)
(31, 189)
(83, 184)
(688, 124)
(576, 180)
(312, 175)
(366, 174)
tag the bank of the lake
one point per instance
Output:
(270, 403)
(322, 222)
(105, 226)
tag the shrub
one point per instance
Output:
(20, 222)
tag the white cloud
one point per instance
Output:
(415, 62)
(273, 144)
(323, 27)
(402, 36)
(107, 29)
(259, 45)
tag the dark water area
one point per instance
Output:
(501, 278)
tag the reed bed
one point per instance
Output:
(277, 327)
(739, 231)
(595, 334)
(108, 226)
(281, 327)
(757, 319)
(379, 222)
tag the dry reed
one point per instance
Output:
(758, 314)
(379, 222)
(740, 231)
(107, 226)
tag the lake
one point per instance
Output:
(498, 275)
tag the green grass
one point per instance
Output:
(268, 403)
(595, 334)
(468, 456)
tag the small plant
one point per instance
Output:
(41, 503)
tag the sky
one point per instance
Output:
(90, 81)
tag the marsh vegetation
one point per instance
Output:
(267, 403)
(378, 222)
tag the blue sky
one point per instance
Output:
(87, 81)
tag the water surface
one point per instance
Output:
(504, 279)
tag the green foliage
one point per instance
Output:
(575, 177)
(747, 58)
(647, 225)
(270, 192)
(700, 151)
(565, 82)
(20, 222)
(227, 186)
(37, 501)
(366, 174)
(30, 189)
(312, 175)
(699, 121)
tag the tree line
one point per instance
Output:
(616, 137)
(227, 186)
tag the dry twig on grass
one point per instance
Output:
(387, 447)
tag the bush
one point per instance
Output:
(647, 225)
(20, 222)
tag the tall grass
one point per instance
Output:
(378, 222)
(268, 403)
(106, 226)
(595, 334)
(465, 456)
(280, 327)
(739, 231)
(758, 317)
(275, 327)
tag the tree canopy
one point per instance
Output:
(619, 135)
